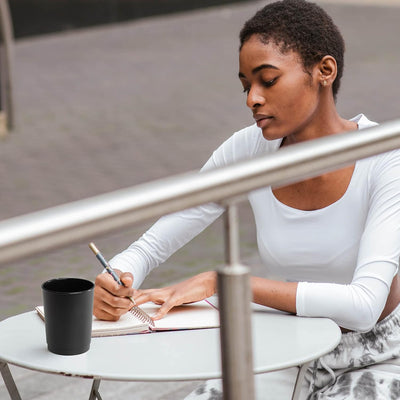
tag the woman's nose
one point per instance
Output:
(254, 98)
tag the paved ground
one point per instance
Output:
(110, 107)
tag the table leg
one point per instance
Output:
(299, 381)
(9, 381)
(94, 393)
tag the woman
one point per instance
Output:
(333, 241)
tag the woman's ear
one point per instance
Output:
(327, 71)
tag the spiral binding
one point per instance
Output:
(141, 315)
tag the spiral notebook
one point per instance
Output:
(198, 315)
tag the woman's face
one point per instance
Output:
(282, 96)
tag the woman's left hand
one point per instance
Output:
(193, 289)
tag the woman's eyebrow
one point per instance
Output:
(257, 69)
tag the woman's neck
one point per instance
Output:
(326, 122)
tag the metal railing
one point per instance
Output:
(74, 222)
(6, 58)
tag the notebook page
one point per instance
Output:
(126, 324)
(189, 316)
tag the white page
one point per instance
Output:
(189, 316)
(127, 323)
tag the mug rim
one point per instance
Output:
(55, 281)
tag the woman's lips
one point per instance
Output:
(262, 120)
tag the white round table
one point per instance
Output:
(279, 341)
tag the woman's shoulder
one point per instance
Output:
(380, 160)
(249, 137)
(242, 145)
(247, 143)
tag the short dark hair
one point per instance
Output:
(300, 26)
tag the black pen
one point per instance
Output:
(108, 268)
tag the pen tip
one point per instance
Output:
(93, 248)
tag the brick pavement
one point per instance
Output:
(109, 107)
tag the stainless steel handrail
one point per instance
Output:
(65, 224)
(73, 222)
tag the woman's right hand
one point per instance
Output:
(111, 299)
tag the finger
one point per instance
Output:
(104, 315)
(107, 282)
(116, 301)
(143, 296)
(163, 311)
(127, 279)
(106, 301)
(104, 311)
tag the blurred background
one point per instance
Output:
(110, 94)
(33, 17)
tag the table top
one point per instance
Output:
(280, 341)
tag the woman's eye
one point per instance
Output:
(269, 83)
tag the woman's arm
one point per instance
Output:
(173, 231)
(163, 239)
(358, 305)
(275, 294)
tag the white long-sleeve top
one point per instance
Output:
(344, 256)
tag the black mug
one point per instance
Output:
(68, 310)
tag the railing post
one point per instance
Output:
(235, 313)
(6, 50)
